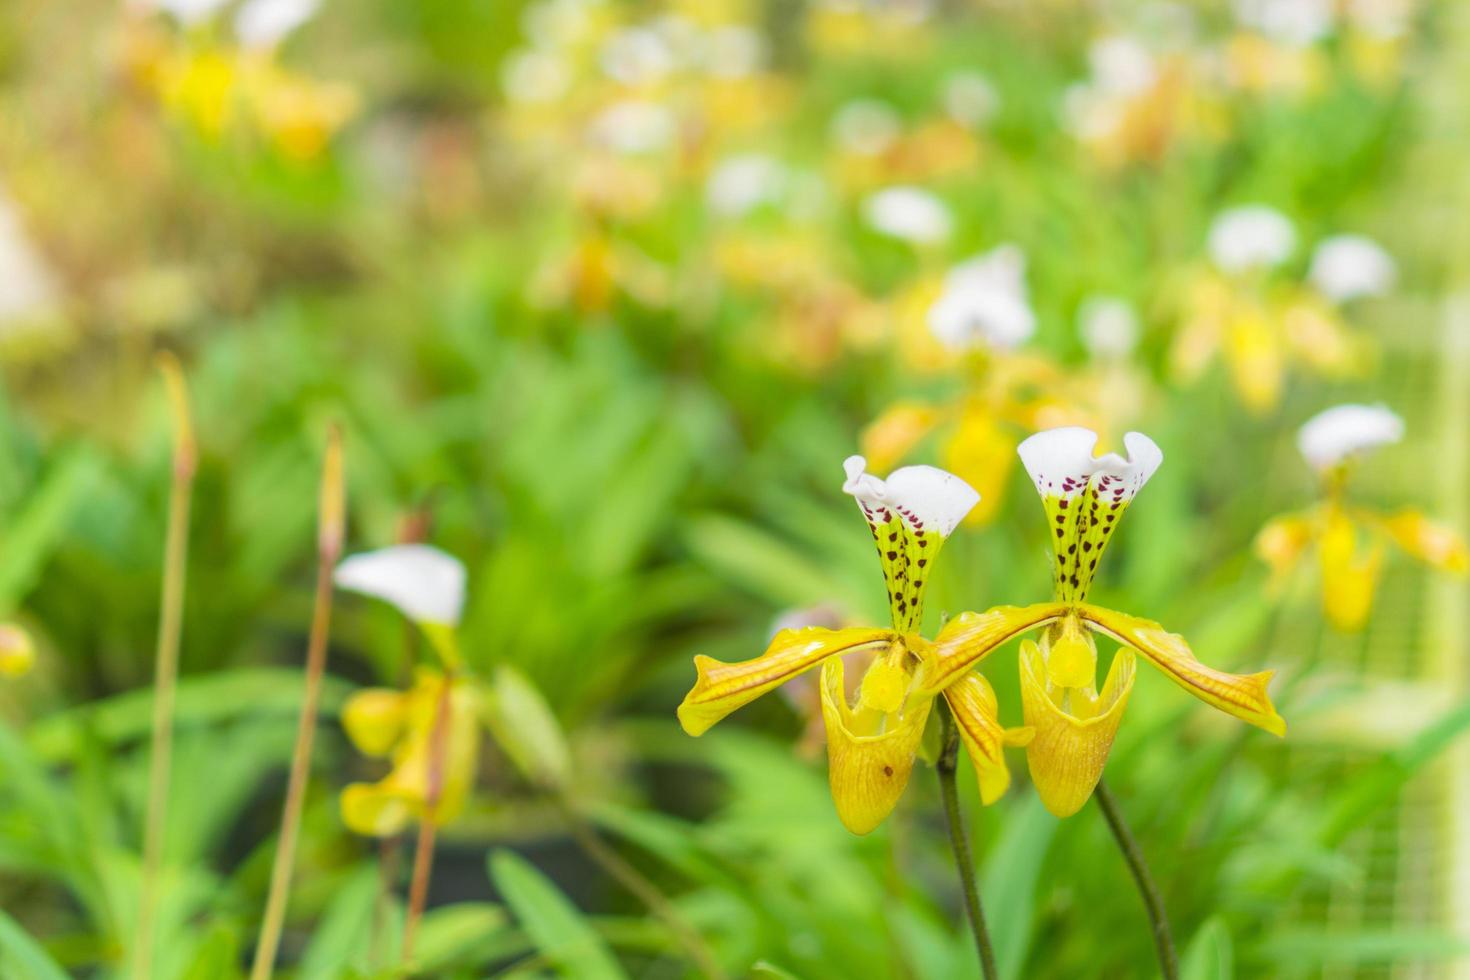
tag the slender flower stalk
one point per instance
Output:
(423, 854)
(166, 662)
(331, 518)
(592, 844)
(959, 843)
(1154, 904)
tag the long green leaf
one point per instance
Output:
(559, 930)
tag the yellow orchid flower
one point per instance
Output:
(1084, 497)
(1261, 331)
(403, 727)
(872, 741)
(17, 651)
(1350, 540)
(975, 317)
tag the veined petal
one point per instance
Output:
(1428, 541)
(970, 637)
(1067, 753)
(972, 702)
(426, 584)
(720, 688)
(911, 514)
(1241, 695)
(868, 759)
(1084, 496)
(893, 435)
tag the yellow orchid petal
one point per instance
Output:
(1257, 361)
(972, 702)
(893, 435)
(374, 720)
(1241, 695)
(981, 453)
(374, 811)
(869, 754)
(970, 637)
(1067, 753)
(1281, 542)
(1349, 574)
(1429, 541)
(720, 688)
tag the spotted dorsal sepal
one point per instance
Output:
(1084, 497)
(911, 514)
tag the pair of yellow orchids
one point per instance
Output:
(1069, 724)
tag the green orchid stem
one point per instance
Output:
(1152, 902)
(958, 842)
(166, 662)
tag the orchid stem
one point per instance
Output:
(329, 549)
(423, 852)
(645, 891)
(959, 843)
(166, 662)
(1147, 890)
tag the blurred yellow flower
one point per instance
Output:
(404, 728)
(17, 651)
(1351, 540)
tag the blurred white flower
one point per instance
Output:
(534, 77)
(909, 213)
(734, 51)
(1121, 65)
(634, 126)
(265, 23)
(636, 56)
(742, 183)
(970, 99)
(426, 584)
(1294, 22)
(1330, 437)
(1386, 19)
(1345, 267)
(985, 303)
(27, 287)
(866, 126)
(1108, 327)
(1251, 237)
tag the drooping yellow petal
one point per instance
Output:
(972, 702)
(374, 810)
(720, 688)
(869, 754)
(893, 435)
(1070, 746)
(374, 719)
(970, 637)
(1241, 695)
(1256, 360)
(1349, 573)
(1281, 542)
(1429, 541)
(981, 452)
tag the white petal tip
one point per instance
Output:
(1330, 437)
(426, 584)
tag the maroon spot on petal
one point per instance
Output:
(892, 555)
(888, 770)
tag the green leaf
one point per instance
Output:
(559, 930)
(345, 929)
(24, 959)
(217, 958)
(1011, 875)
(463, 934)
(1304, 948)
(1210, 954)
(767, 969)
(525, 727)
(31, 534)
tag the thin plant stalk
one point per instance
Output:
(329, 548)
(1153, 903)
(959, 843)
(423, 852)
(592, 844)
(166, 660)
